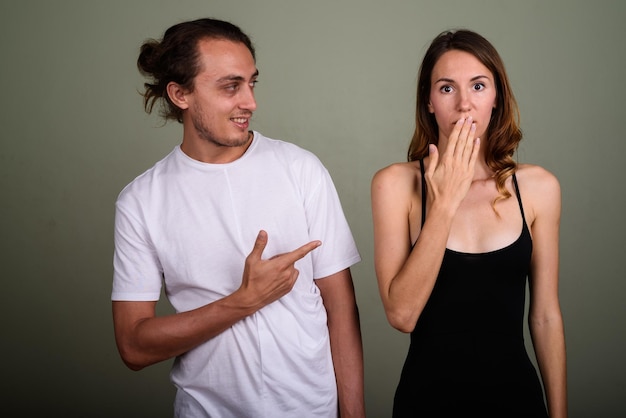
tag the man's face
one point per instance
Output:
(222, 102)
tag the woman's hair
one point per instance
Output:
(176, 58)
(503, 132)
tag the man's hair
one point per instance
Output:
(503, 133)
(175, 58)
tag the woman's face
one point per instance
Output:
(461, 86)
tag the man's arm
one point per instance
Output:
(144, 339)
(337, 293)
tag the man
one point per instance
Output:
(248, 236)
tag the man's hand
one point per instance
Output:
(265, 281)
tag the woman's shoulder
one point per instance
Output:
(540, 190)
(398, 172)
(396, 181)
(535, 177)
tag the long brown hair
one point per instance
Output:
(503, 132)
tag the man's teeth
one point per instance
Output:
(240, 120)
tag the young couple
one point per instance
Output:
(248, 236)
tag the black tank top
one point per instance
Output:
(467, 351)
(490, 287)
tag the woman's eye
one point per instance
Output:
(446, 89)
(479, 86)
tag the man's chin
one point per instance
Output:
(234, 142)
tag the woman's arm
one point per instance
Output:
(406, 276)
(545, 319)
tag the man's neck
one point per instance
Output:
(209, 152)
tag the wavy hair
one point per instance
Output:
(503, 132)
(176, 58)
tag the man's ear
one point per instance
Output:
(177, 95)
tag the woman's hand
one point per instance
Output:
(449, 175)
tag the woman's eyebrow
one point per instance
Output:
(449, 80)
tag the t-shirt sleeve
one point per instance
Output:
(137, 274)
(328, 224)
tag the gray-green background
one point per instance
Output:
(338, 78)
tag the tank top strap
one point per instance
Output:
(423, 191)
(519, 197)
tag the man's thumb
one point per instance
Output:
(259, 244)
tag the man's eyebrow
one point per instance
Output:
(233, 77)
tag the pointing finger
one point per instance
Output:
(299, 253)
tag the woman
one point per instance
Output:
(455, 242)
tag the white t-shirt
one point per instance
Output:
(191, 225)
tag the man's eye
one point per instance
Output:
(253, 83)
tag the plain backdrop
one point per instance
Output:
(336, 77)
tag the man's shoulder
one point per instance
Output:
(290, 152)
(142, 181)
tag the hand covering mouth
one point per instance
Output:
(473, 121)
